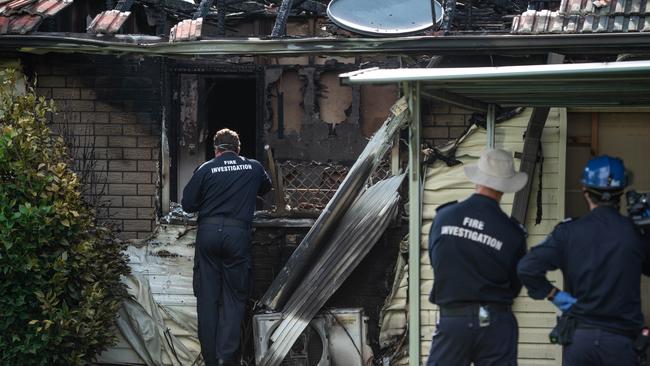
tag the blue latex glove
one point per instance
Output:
(563, 300)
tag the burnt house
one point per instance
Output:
(142, 85)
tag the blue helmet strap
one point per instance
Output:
(606, 195)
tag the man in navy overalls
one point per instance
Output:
(474, 249)
(224, 192)
(602, 257)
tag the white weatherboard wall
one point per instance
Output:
(444, 184)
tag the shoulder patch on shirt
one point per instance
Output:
(520, 226)
(446, 205)
(565, 221)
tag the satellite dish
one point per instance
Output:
(384, 17)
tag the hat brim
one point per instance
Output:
(506, 185)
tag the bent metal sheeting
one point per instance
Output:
(360, 228)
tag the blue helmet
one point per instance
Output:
(605, 173)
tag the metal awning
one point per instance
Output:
(587, 84)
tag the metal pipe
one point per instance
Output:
(490, 125)
(415, 223)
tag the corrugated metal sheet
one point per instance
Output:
(360, 228)
(578, 16)
(108, 22)
(293, 272)
(23, 16)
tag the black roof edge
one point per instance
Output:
(576, 44)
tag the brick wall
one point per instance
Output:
(442, 122)
(114, 105)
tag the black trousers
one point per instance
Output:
(596, 347)
(222, 284)
(459, 341)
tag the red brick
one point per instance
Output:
(148, 141)
(122, 166)
(65, 93)
(109, 153)
(137, 201)
(50, 81)
(108, 107)
(435, 132)
(137, 153)
(440, 107)
(144, 235)
(147, 166)
(127, 235)
(100, 141)
(94, 117)
(114, 177)
(108, 129)
(122, 189)
(123, 213)
(44, 92)
(122, 141)
(67, 117)
(122, 117)
(146, 213)
(146, 189)
(80, 105)
(449, 119)
(137, 177)
(137, 225)
(88, 94)
(459, 110)
(113, 201)
(137, 129)
(455, 132)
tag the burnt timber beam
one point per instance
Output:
(124, 5)
(569, 44)
(530, 153)
(457, 100)
(280, 26)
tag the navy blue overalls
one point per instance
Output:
(602, 257)
(474, 249)
(223, 191)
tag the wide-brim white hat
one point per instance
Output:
(496, 170)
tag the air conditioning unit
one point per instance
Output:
(336, 337)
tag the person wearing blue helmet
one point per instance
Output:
(602, 257)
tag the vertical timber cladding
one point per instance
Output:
(444, 184)
(110, 107)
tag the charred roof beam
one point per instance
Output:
(280, 26)
(124, 5)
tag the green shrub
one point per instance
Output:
(60, 273)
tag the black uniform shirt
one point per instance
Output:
(227, 185)
(474, 248)
(601, 256)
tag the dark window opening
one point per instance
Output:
(204, 104)
(231, 103)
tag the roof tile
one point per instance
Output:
(584, 16)
(108, 22)
(635, 8)
(23, 24)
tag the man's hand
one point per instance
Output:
(563, 300)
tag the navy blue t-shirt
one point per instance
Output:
(474, 249)
(602, 257)
(228, 186)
